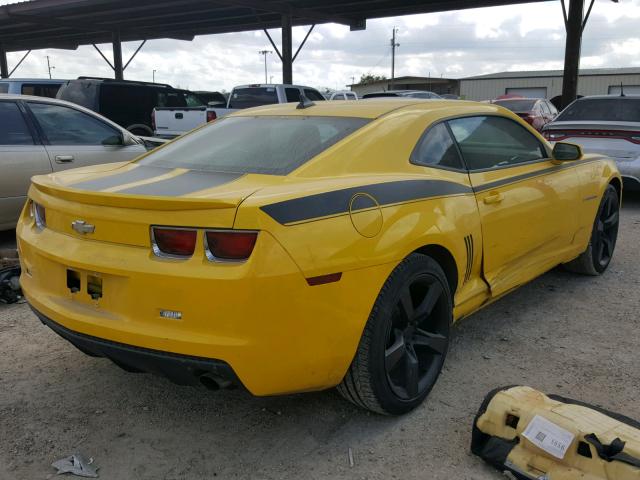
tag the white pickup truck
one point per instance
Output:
(170, 122)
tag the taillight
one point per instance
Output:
(229, 245)
(211, 116)
(153, 120)
(39, 215)
(173, 242)
(554, 136)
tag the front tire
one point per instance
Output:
(596, 258)
(405, 340)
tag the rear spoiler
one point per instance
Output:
(40, 185)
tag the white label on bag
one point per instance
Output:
(548, 436)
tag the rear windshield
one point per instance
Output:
(604, 109)
(79, 92)
(381, 94)
(269, 145)
(517, 105)
(253, 97)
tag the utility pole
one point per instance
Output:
(393, 56)
(49, 67)
(264, 52)
(153, 76)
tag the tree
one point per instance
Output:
(370, 78)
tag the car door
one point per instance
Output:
(76, 139)
(526, 202)
(21, 157)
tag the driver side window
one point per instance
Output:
(67, 126)
(488, 142)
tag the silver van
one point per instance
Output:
(40, 87)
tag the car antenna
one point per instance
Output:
(304, 102)
(622, 90)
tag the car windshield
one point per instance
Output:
(517, 105)
(618, 109)
(253, 97)
(264, 144)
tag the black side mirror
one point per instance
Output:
(114, 140)
(566, 152)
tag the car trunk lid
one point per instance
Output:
(119, 205)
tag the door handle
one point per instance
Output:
(494, 197)
(64, 158)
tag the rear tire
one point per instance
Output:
(405, 341)
(596, 258)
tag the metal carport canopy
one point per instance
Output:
(67, 24)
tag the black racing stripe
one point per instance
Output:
(524, 176)
(337, 202)
(134, 175)
(183, 184)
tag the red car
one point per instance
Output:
(537, 112)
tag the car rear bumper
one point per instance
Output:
(180, 369)
(277, 333)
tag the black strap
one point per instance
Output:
(613, 451)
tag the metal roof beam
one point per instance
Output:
(287, 9)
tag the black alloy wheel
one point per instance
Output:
(606, 230)
(418, 338)
(596, 258)
(405, 341)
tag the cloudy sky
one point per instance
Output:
(453, 44)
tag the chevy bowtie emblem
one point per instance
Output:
(81, 226)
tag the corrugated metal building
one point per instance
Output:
(548, 83)
(437, 85)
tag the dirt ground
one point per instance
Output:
(566, 334)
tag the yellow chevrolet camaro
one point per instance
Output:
(292, 248)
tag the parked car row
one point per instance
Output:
(171, 121)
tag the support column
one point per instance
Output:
(4, 68)
(117, 56)
(572, 52)
(287, 50)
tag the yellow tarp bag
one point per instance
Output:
(535, 436)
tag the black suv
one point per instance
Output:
(128, 103)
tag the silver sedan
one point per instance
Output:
(605, 124)
(43, 135)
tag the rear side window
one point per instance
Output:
(41, 90)
(67, 126)
(13, 129)
(436, 148)
(125, 104)
(4, 87)
(313, 95)
(263, 144)
(253, 97)
(293, 95)
(493, 142)
(603, 109)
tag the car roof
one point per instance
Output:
(272, 85)
(517, 99)
(34, 80)
(372, 108)
(608, 97)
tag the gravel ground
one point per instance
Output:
(566, 334)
